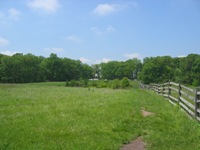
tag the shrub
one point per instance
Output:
(73, 83)
(93, 83)
(83, 83)
(67, 83)
(125, 82)
(102, 84)
(115, 84)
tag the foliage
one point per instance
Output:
(73, 83)
(119, 70)
(196, 71)
(77, 83)
(157, 69)
(184, 70)
(125, 82)
(102, 84)
(21, 68)
(116, 84)
(97, 71)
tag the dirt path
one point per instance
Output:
(138, 144)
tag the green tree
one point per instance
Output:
(186, 65)
(196, 72)
(119, 69)
(157, 70)
(96, 71)
(86, 71)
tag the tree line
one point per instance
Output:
(118, 69)
(21, 68)
(185, 70)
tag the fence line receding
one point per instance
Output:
(185, 97)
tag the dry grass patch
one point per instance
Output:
(146, 113)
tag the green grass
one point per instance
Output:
(51, 116)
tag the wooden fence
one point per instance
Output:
(185, 97)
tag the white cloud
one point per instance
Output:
(45, 5)
(104, 60)
(10, 14)
(8, 52)
(85, 60)
(14, 13)
(105, 9)
(3, 41)
(110, 29)
(54, 50)
(74, 38)
(181, 56)
(90, 61)
(132, 55)
(98, 31)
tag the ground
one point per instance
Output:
(138, 143)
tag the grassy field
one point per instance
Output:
(51, 116)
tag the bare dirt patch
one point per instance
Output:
(137, 144)
(146, 113)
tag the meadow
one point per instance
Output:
(52, 116)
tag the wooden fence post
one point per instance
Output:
(169, 90)
(163, 89)
(197, 101)
(158, 88)
(179, 92)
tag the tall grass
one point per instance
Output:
(52, 116)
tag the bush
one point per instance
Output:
(83, 83)
(196, 82)
(86, 83)
(67, 83)
(73, 83)
(115, 84)
(93, 83)
(102, 84)
(125, 83)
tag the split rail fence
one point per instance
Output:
(185, 97)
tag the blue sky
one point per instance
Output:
(95, 31)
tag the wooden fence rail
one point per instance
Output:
(185, 97)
